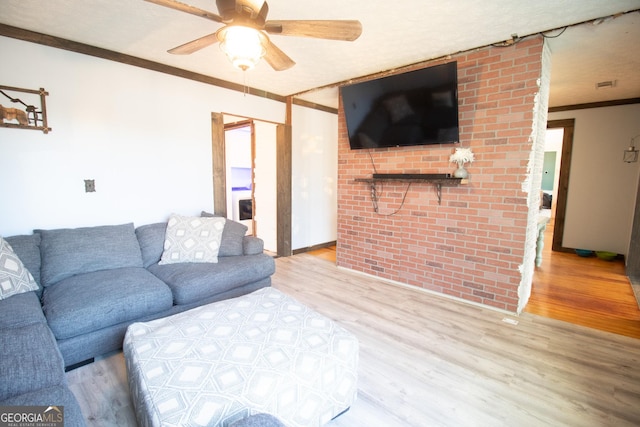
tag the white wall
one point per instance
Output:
(145, 138)
(314, 178)
(602, 188)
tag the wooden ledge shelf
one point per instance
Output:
(443, 181)
(438, 182)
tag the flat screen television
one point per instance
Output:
(414, 108)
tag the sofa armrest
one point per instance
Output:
(30, 360)
(252, 245)
(258, 420)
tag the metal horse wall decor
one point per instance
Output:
(27, 115)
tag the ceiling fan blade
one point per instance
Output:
(195, 45)
(174, 4)
(347, 30)
(275, 57)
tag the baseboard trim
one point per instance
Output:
(314, 247)
(430, 292)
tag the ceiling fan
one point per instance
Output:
(244, 36)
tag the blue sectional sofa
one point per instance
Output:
(93, 282)
(31, 367)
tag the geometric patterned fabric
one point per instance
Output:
(259, 353)
(14, 276)
(192, 239)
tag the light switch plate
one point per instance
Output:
(89, 185)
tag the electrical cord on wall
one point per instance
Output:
(374, 199)
(375, 193)
(374, 187)
(373, 164)
(374, 196)
(515, 38)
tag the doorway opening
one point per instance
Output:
(551, 172)
(559, 140)
(240, 163)
(586, 292)
(244, 158)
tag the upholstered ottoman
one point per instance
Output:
(259, 353)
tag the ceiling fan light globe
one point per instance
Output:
(244, 46)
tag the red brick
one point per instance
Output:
(470, 246)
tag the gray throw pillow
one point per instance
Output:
(232, 236)
(151, 239)
(27, 247)
(14, 277)
(68, 252)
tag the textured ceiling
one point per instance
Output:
(395, 34)
(593, 53)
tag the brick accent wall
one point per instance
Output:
(472, 246)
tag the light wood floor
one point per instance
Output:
(584, 291)
(430, 361)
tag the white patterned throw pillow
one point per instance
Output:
(14, 276)
(192, 239)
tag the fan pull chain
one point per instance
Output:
(245, 89)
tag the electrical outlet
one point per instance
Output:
(89, 186)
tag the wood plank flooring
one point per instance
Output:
(584, 291)
(429, 361)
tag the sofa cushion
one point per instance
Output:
(252, 245)
(27, 247)
(92, 301)
(67, 252)
(15, 278)
(232, 236)
(30, 360)
(59, 396)
(193, 282)
(151, 239)
(21, 310)
(192, 239)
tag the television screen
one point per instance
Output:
(415, 108)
